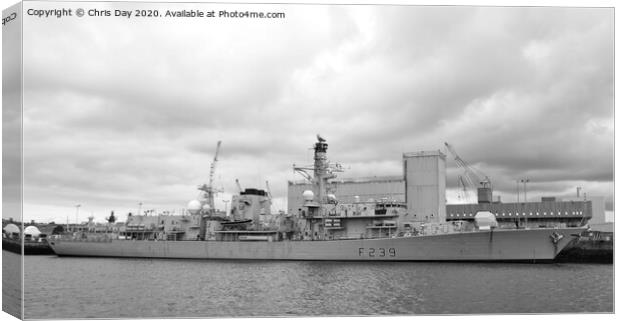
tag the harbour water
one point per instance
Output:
(126, 288)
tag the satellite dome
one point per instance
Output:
(194, 206)
(308, 195)
(11, 228)
(485, 220)
(32, 231)
(331, 197)
(206, 207)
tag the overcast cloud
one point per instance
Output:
(119, 111)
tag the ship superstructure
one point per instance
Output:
(326, 229)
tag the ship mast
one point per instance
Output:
(322, 170)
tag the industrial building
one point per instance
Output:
(422, 187)
(546, 213)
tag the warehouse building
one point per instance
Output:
(546, 213)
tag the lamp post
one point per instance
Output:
(77, 213)
(525, 181)
(226, 206)
(517, 191)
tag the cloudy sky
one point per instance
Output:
(119, 111)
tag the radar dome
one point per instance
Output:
(32, 231)
(485, 220)
(11, 228)
(194, 206)
(308, 195)
(206, 207)
(331, 197)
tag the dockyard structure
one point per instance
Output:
(425, 185)
(546, 213)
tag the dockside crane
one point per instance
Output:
(463, 192)
(209, 189)
(268, 190)
(209, 196)
(471, 178)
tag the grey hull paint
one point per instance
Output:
(498, 245)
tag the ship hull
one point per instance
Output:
(498, 245)
(30, 248)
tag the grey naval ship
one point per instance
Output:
(322, 229)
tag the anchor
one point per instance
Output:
(555, 238)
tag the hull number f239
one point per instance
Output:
(377, 252)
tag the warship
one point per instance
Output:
(323, 229)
